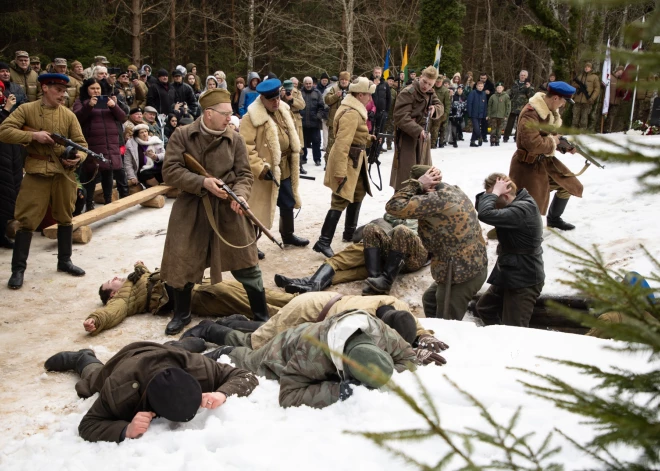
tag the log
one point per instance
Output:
(82, 235)
(12, 228)
(157, 202)
(85, 219)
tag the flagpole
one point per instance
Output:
(632, 109)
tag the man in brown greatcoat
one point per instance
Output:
(192, 243)
(412, 106)
(534, 165)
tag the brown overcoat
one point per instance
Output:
(350, 129)
(123, 380)
(410, 120)
(191, 244)
(526, 170)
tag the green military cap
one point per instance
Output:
(361, 349)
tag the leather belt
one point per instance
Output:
(359, 147)
(45, 158)
(326, 308)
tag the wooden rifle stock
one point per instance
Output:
(194, 166)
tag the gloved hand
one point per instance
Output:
(426, 357)
(429, 342)
(346, 388)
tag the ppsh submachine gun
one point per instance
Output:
(70, 147)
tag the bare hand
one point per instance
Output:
(11, 101)
(42, 137)
(424, 135)
(139, 424)
(213, 186)
(338, 94)
(151, 154)
(430, 179)
(501, 187)
(237, 207)
(177, 106)
(431, 111)
(213, 400)
(89, 325)
(340, 180)
(111, 103)
(70, 163)
(93, 100)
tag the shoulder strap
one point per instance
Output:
(327, 307)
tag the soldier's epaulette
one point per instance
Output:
(409, 88)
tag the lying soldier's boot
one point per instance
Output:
(209, 331)
(373, 263)
(218, 352)
(317, 282)
(282, 281)
(190, 344)
(383, 283)
(233, 318)
(239, 322)
(68, 361)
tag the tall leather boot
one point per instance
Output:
(383, 283)
(554, 215)
(19, 258)
(287, 228)
(351, 220)
(282, 281)
(258, 305)
(5, 242)
(373, 263)
(327, 233)
(209, 331)
(67, 361)
(317, 282)
(64, 250)
(181, 316)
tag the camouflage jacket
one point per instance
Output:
(520, 95)
(307, 373)
(448, 227)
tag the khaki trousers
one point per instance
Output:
(37, 192)
(433, 299)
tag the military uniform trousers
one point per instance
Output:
(461, 294)
(38, 191)
(285, 199)
(612, 118)
(340, 204)
(435, 131)
(562, 193)
(402, 239)
(510, 124)
(207, 297)
(581, 112)
(496, 126)
(508, 306)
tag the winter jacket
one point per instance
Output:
(73, 90)
(15, 89)
(520, 95)
(382, 97)
(308, 374)
(183, 93)
(477, 104)
(592, 82)
(314, 106)
(248, 95)
(330, 98)
(123, 380)
(132, 155)
(458, 107)
(520, 234)
(158, 96)
(445, 98)
(100, 129)
(11, 174)
(27, 80)
(499, 105)
(488, 86)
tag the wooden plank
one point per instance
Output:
(100, 199)
(111, 209)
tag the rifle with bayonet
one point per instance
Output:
(567, 146)
(70, 147)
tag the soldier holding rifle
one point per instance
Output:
(50, 178)
(415, 106)
(206, 227)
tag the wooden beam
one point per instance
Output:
(111, 209)
(82, 235)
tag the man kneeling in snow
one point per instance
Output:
(310, 375)
(145, 380)
(144, 291)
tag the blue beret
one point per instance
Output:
(562, 89)
(269, 88)
(53, 79)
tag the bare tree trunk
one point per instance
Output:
(349, 14)
(205, 32)
(622, 28)
(136, 29)
(233, 28)
(489, 38)
(474, 35)
(173, 35)
(341, 55)
(250, 46)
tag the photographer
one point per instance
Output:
(182, 97)
(517, 278)
(99, 117)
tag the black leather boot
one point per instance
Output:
(5, 242)
(351, 220)
(287, 228)
(19, 258)
(218, 352)
(209, 331)
(181, 316)
(68, 361)
(282, 281)
(258, 305)
(383, 283)
(64, 250)
(189, 344)
(554, 215)
(317, 282)
(327, 233)
(373, 263)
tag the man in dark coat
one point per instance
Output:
(382, 99)
(145, 380)
(489, 86)
(158, 95)
(520, 93)
(311, 116)
(477, 109)
(203, 207)
(183, 94)
(517, 278)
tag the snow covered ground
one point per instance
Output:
(40, 412)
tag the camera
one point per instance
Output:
(133, 76)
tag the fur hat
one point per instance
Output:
(362, 85)
(344, 75)
(139, 127)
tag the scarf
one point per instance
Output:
(207, 130)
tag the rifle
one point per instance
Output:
(195, 167)
(374, 157)
(306, 177)
(582, 88)
(70, 146)
(566, 146)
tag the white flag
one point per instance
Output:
(605, 78)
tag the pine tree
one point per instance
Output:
(441, 19)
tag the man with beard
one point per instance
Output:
(50, 176)
(26, 78)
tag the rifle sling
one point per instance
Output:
(327, 307)
(211, 217)
(587, 164)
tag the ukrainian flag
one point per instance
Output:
(386, 67)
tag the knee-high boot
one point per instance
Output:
(327, 233)
(64, 251)
(351, 220)
(19, 258)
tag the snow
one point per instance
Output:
(40, 411)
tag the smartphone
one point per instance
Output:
(102, 102)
